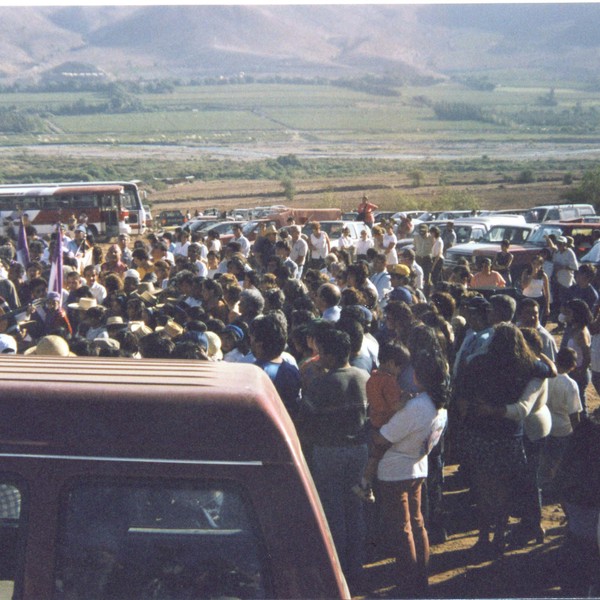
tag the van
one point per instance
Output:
(137, 479)
(559, 212)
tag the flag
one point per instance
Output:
(55, 281)
(22, 246)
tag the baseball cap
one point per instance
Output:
(400, 270)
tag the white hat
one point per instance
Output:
(8, 344)
(83, 304)
(214, 345)
(132, 273)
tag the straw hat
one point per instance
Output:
(115, 321)
(50, 345)
(139, 329)
(271, 229)
(83, 304)
(171, 328)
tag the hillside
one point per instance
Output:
(552, 41)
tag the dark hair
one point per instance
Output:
(533, 339)
(155, 345)
(445, 304)
(212, 285)
(351, 296)
(188, 350)
(566, 358)
(335, 343)
(355, 332)
(527, 303)
(274, 299)
(360, 271)
(270, 329)
(582, 315)
(432, 373)
(140, 254)
(394, 351)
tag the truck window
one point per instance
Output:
(123, 540)
(10, 528)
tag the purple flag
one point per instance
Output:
(22, 246)
(55, 281)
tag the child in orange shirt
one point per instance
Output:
(385, 398)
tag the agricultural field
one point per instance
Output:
(314, 144)
(317, 118)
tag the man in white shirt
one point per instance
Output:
(299, 249)
(182, 245)
(98, 290)
(241, 239)
(408, 258)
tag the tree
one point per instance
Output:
(289, 190)
(589, 188)
(416, 178)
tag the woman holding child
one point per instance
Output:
(403, 443)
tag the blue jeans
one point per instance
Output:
(335, 471)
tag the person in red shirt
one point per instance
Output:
(365, 211)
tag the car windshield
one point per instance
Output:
(200, 225)
(464, 233)
(496, 234)
(539, 235)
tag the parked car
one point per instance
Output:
(170, 218)
(383, 215)
(559, 212)
(470, 229)
(163, 479)
(525, 244)
(489, 245)
(223, 228)
(583, 235)
(200, 224)
(334, 229)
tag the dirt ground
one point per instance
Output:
(389, 193)
(531, 572)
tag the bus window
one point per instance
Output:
(28, 203)
(10, 518)
(191, 540)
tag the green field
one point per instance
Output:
(320, 113)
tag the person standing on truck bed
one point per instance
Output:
(365, 211)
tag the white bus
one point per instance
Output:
(111, 207)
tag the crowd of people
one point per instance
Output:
(389, 365)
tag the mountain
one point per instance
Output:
(555, 40)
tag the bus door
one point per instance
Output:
(110, 208)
